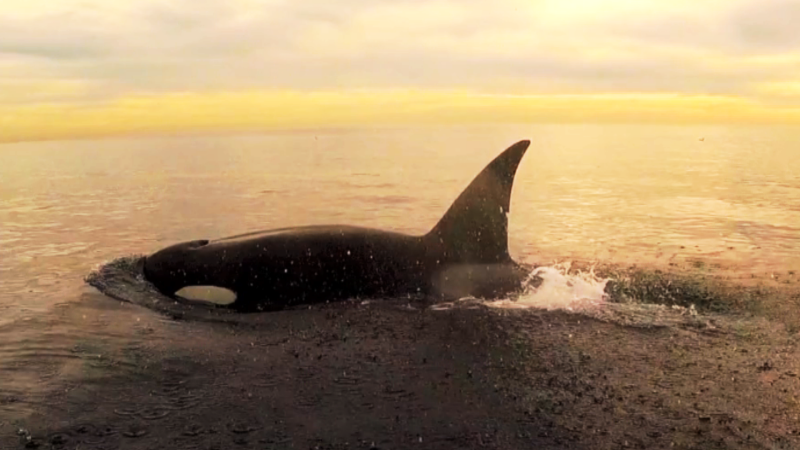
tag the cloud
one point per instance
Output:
(768, 26)
(271, 110)
(60, 34)
(578, 45)
(95, 51)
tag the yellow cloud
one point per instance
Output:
(786, 89)
(273, 110)
(16, 91)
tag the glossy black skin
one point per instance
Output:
(465, 254)
(298, 265)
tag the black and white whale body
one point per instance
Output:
(466, 253)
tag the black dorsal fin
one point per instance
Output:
(475, 228)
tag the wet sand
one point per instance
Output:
(399, 375)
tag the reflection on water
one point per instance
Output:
(615, 193)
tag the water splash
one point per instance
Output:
(584, 293)
(559, 289)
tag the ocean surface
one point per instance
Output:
(726, 195)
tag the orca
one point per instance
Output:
(465, 254)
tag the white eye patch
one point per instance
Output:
(210, 294)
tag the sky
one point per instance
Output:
(74, 68)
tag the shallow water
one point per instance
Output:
(653, 194)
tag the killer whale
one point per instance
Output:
(466, 253)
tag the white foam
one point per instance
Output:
(559, 289)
